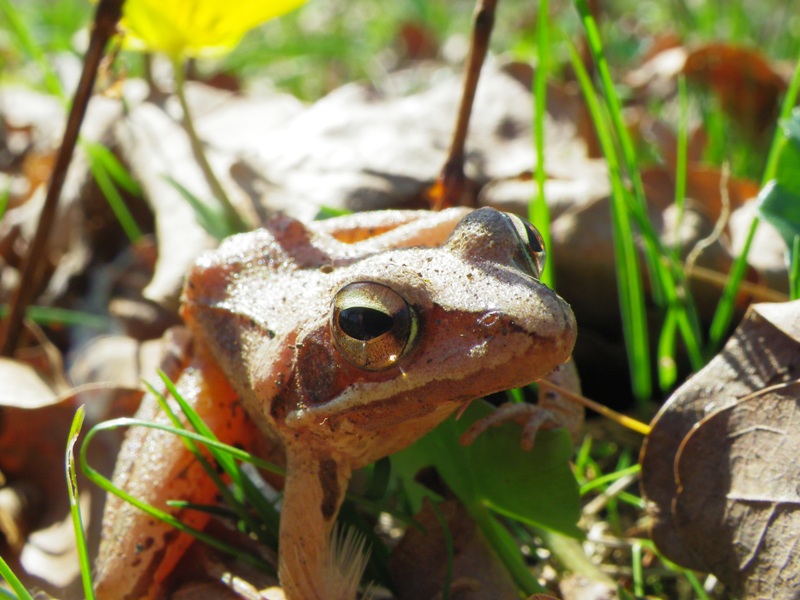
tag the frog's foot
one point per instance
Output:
(553, 410)
(532, 417)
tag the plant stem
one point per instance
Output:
(105, 23)
(452, 176)
(217, 190)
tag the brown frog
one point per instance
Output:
(342, 341)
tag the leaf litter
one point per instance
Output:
(361, 149)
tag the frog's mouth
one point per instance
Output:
(460, 374)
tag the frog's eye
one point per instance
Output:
(372, 325)
(534, 252)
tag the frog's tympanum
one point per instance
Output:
(341, 341)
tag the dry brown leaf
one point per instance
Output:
(417, 41)
(738, 503)
(768, 251)
(356, 149)
(657, 74)
(583, 247)
(418, 564)
(762, 352)
(360, 149)
(32, 449)
(661, 135)
(33, 438)
(749, 88)
(34, 504)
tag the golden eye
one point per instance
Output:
(372, 325)
(532, 243)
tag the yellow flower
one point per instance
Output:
(196, 28)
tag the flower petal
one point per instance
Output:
(196, 28)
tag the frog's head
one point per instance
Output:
(383, 346)
(410, 335)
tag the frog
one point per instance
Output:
(332, 344)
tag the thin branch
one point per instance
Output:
(234, 219)
(451, 179)
(105, 23)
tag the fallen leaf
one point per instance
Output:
(417, 41)
(747, 84)
(762, 352)
(749, 88)
(419, 564)
(738, 502)
(359, 149)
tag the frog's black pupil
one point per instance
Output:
(363, 323)
(533, 238)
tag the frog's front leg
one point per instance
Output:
(137, 551)
(309, 568)
(314, 490)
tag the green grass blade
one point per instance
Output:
(681, 160)
(506, 549)
(49, 315)
(29, 46)
(697, 587)
(609, 478)
(98, 167)
(75, 507)
(5, 196)
(724, 313)
(666, 275)
(629, 282)
(246, 489)
(638, 575)
(107, 485)
(233, 498)
(192, 446)
(212, 220)
(614, 105)
(638, 206)
(115, 169)
(538, 211)
(13, 582)
(635, 501)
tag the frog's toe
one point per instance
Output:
(531, 416)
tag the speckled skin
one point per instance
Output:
(259, 308)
